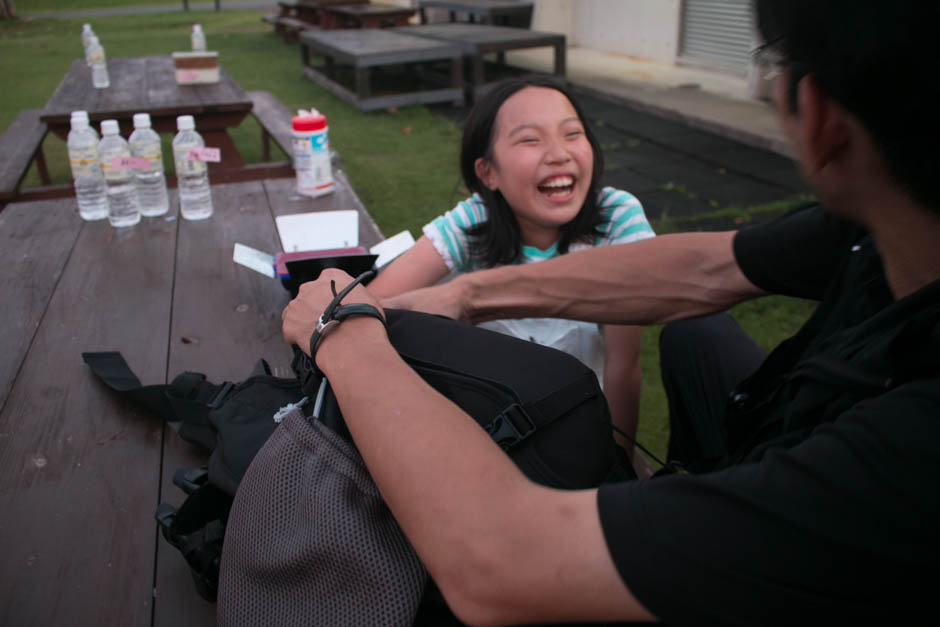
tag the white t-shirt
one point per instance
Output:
(623, 221)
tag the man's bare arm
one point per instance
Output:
(501, 549)
(652, 281)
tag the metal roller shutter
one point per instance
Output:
(717, 33)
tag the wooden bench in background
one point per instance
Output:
(274, 119)
(20, 145)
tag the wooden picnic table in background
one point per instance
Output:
(477, 40)
(372, 15)
(148, 85)
(81, 471)
(501, 12)
(373, 49)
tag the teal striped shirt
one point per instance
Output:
(623, 221)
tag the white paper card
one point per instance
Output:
(392, 247)
(318, 231)
(257, 260)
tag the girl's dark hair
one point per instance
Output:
(498, 241)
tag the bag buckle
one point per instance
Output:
(306, 373)
(220, 396)
(510, 427)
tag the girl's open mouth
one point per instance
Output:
(557, 186)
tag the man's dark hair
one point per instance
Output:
(498, 240)
(878, 59)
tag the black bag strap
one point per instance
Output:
(197, 530)
(518, 420)
(186, 400)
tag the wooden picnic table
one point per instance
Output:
(367, 50)
(148, 85)
(81, 472)
(499, 12)
(477, 40)
(372, 15)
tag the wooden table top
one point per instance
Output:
(375, 8)
(81, 472)
(141, 85)
(474, 38)
(385, 46)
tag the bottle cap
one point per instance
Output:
(109, 127)
(185, 123)
(79, 123)
(80, 115)
(86, 28)
(141, 120)
(308, 122)
(197, 28)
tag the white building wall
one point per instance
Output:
(646, 29)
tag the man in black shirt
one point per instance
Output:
(819, 501)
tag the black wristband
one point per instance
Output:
(339, 314)
(306, 367)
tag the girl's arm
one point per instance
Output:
(419, 266)
(622, 379)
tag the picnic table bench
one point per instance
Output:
(477, 40)
(20, 145)
(82, 471)
(366, 50)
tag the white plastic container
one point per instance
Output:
(312, 154)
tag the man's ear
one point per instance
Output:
(822, 124)
(484, 171)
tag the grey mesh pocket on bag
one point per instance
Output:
(311, 542)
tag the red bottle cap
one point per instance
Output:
(308, 122)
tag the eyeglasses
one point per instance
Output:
(770, 57)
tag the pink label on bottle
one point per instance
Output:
(128, 163)
(204, 154)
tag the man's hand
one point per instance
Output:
(299, 318)
(445, 300)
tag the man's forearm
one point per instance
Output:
(652, 281)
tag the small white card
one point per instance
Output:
(323, 230)
(392, 247)
(257, 260)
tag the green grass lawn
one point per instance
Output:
(41, 6)
(403, 164)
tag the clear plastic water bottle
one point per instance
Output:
(198, 38)
(87, 34)
(99, 67)
(150, 182)
(83, 115)
(90, 188)
(124, 208)
(192, 176)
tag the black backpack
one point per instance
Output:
(542, 406)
